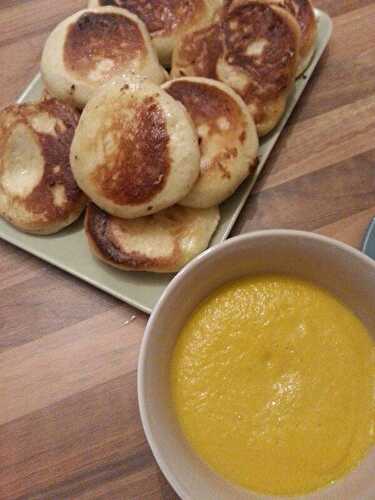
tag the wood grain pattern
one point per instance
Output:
(69, 424)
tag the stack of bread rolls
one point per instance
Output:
(149, 121)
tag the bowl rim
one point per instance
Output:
(197, 261)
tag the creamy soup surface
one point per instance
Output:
(273, 384)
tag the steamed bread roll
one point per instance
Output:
(253, 47)
(303, 11)
(93, 46)
(160, 243)
(167, 20)
(227, 137)
(38, 193)
(135, 150)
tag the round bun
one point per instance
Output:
(93, 46)
(167, 20)
(160, 243)
(227, 136)
(38, 193)
(303, 12)
(135, 150)
(253, 47)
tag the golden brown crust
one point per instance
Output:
(139, 168)
(135, 150)
(303, 11)
(162, 17)
(270, 73)
(206, 104)
(95, 37)
(162, 243)
(55, 151)
(227, 137)
(200, 51)
(102, 239)
(306, 19)
(43, 212)
(256, 43)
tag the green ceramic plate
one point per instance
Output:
(68, 250)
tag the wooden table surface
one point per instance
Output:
(69, 423)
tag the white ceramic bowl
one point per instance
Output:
(342, 270)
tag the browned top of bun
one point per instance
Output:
(253, 21)
(303, 12)
(206, 104)
(97, 226)
(201, 50)
(54, 147)
(162, 242)
(267, 73)
(161, 17)
(139, 167)
(97, 36)
(102, 228)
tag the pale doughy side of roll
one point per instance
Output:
(227, 135)
(135, 151)
(160, 243)
(93, 46)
